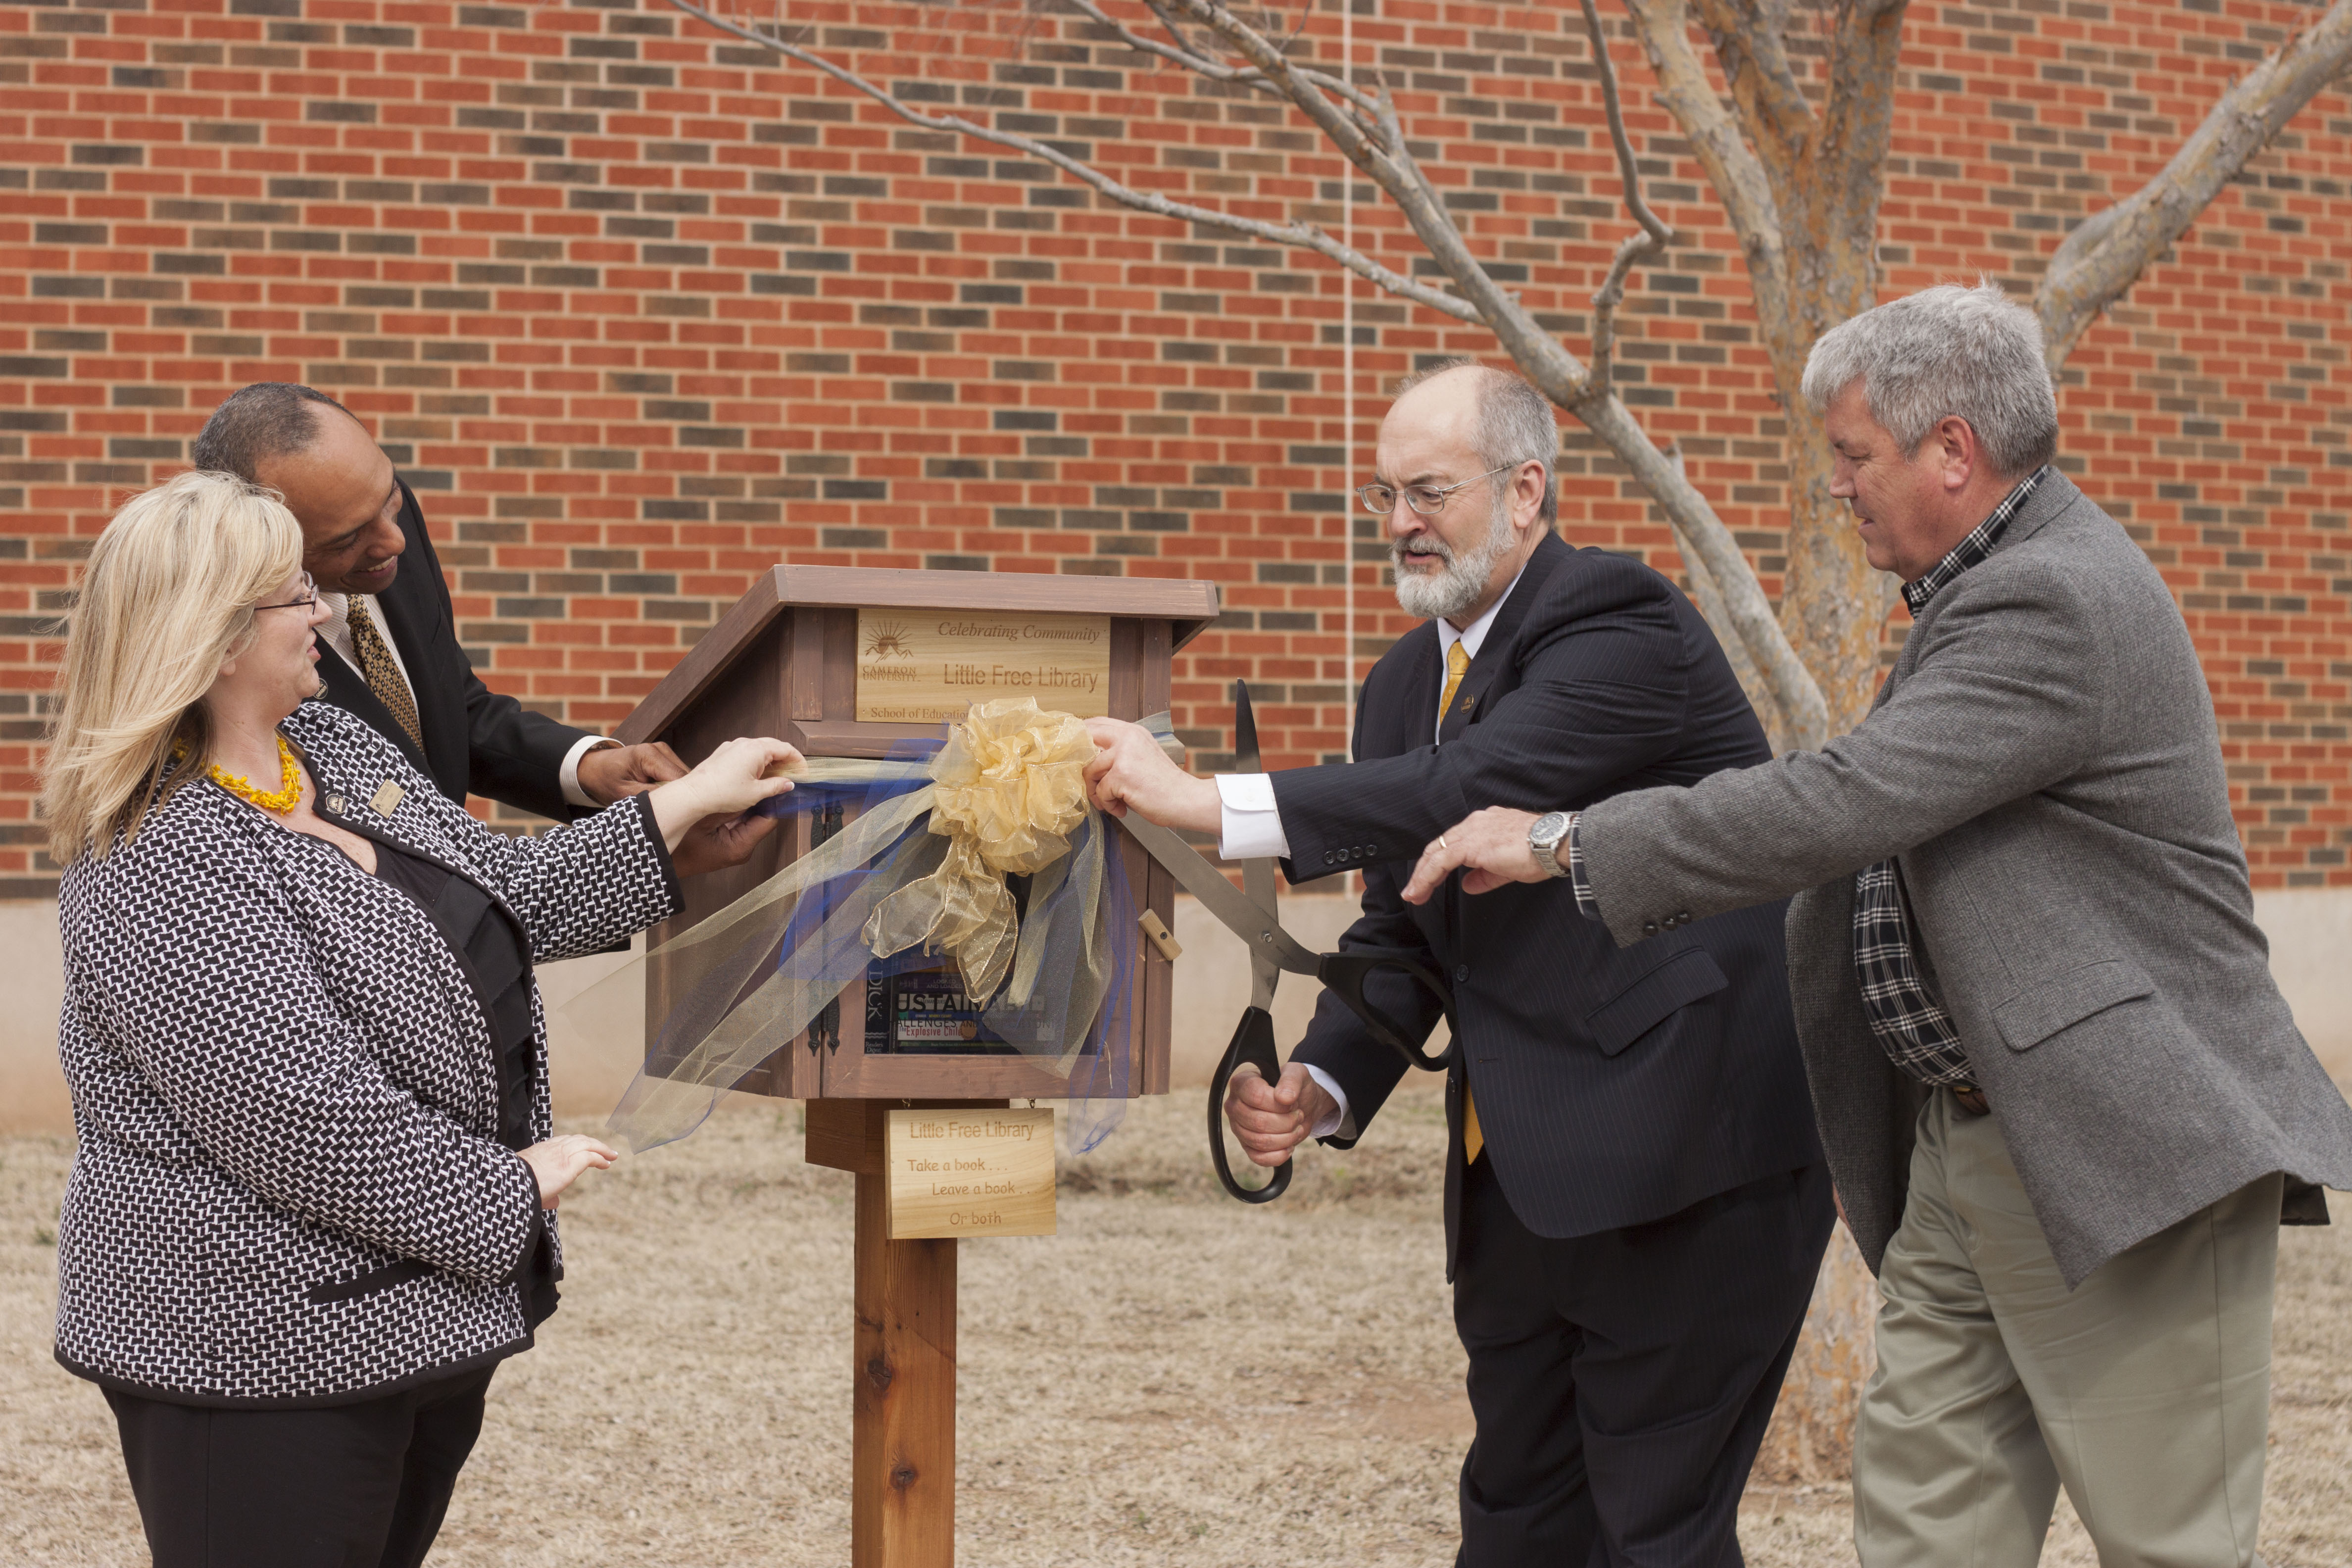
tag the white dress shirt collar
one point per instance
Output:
(1471, 636)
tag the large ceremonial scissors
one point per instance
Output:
(1251, 914)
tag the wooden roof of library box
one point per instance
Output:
(1188, 605)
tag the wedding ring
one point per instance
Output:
(1441, 841)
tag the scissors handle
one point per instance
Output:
(1252, 1044)
(1345, 973)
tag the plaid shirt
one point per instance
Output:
(1912, 1026)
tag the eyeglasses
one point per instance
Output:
(310, 597)
(1427, 500)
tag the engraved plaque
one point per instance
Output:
(969, 1173)
(920, 667)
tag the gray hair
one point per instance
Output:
(1944, 351)
(1516, 425)
(268, 419)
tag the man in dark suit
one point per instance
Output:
(389, 650)
(1635, 1203)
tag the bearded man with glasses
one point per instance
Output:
(1635, 1204)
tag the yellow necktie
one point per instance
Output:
(381, 671)
(1457, 665)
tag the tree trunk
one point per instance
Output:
(1834, 605)
(1810, 1439)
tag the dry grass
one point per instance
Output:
(1173, 1379)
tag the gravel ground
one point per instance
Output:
(1172, 1380)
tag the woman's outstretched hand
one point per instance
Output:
(559, 1161)
(705, 817)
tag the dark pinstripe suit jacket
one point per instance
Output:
(1614, 1085)
(476, 741)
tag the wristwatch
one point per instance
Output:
(1545, 836)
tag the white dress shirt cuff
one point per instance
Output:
(1248, 825)
(1338, 1121)
(569, 774)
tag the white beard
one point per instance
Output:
(1453, 588)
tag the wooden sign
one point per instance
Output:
(969, 1173)
(920, 667)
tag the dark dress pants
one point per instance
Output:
(346, 1486)
(1622, 1381)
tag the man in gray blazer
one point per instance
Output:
(2065, 1106)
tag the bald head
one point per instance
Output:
(335, 479)
(1504, 419)
(1468, 452)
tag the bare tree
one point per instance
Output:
(1799, 171)
(1798, 165)
(1801, 181)
(1217, 43)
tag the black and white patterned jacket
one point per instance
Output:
(286, 1094)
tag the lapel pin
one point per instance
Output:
(335, 804)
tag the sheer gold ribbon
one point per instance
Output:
(1007, 790)
(1007, 794)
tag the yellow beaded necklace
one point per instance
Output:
(289, 783)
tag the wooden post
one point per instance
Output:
(902, 1433)
(902, 1447)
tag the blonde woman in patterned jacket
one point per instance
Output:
(313, 1203)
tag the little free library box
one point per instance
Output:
(905, 1086)
(854, 662)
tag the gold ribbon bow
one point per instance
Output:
(1008, 788)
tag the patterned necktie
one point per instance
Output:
(1457, 665)
(383, 672)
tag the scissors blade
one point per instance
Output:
(1244, 731)
(1259, 931)
(1259, 883)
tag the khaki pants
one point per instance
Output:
(2146, 1390)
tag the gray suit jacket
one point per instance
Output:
(2044, 763)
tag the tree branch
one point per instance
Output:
(1653, 236)
(1750, 43)
(1845, 179)
(1182, 53)
(1627, 169)
(1706, 543)
(1748, 193)
(2105, 255)
(1731, 166)
(1390, 167)
(1303, 235)
(1365, 129)
(1718, 611)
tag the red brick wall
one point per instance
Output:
(638, 311)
